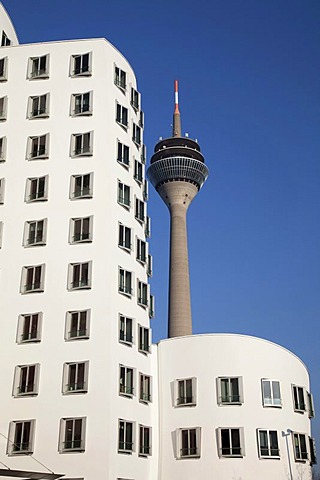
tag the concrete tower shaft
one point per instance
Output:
(177, 172)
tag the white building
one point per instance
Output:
(82, 389)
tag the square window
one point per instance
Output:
(2, 188)
(125, 282)
(229, 390)
(188, 442)
(79, 277)
(144, 339)
(38, 106)
(136, 134)
(81, 144)
(29, 327)
(3, 108)
(138, 171)
(300, 446)
(230, 442)
(81, 104)
(32, 279)
(77, 325)
(141, 251)
(75, 377)
(185, 390)
(123, 154)
(81, 186)
(268, 444)
(124, 194)
(139, 210)
(120, 78)
(135, 97)
(72, 435)
(122, 115)
(81, 230)
(298, 399)
(35, 233)
(144, 440)
(38, 147)
(142, 293)
(3, 69)
(21, 437)
(145, 388)
(271, 395)
(125, 330)
(125, 439)
(37, 189)
(3, 148)
(124, 239)
(126, 386)
(81, 65)
(26, 380)
(38, 67)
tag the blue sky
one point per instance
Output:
(249, 74)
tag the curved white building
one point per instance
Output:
(84, 393)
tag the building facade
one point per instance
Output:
(83, 390)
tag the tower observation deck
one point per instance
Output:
(177, 172)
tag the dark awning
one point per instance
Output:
(28, 475)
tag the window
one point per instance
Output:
(135, 98)
(313, 454)
(122, 115)
(29, 327)
(145, 388)
(268, 443)
(37, 189)
(229, 390)
(271, 395)
(142, 296)
(35, 233)
(149, 266)
(125, 282)
(141, 251)
(21, 434)
(125, 441)
(138, 171)
(81, 104)
(120, 78)
(144, 340)
(26, 380)
(126, 381)
(188, 442)
(141, 118)
(5, 42)
(298, 399)
(38, 106)
(3, 108)
(310, 405)
(80, 276)
(144, 440)
(136, 134)
(81, 65)
(3, 148)
(77, 325)
(143, 155)
(81, 144)
(39, 67)
(81, 186)
(123, 154)
(1, 233)
(145, 190)
(186, 392)
(124, 240)
(300, 446)
(151, 306)
(32, 280)
(230, 440)
(72, 435)
(125, 330)
(75, 377)
(38, 147)
(139, 211)
(147, 229)
(3, 69)
(2, 187)
(81, 230)
(123, 194)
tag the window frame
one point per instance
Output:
(68, 325)
(4, 111)
(151, 306)
(268, 446)
(124, 236)
(81, 72)
(297, 405)
(142, 293)
(230, 394)
(185, 400)
(125, 446)
(272, 399)
(123, 288)
(29, 188)
(86, 148)
(310, 405)
(2, 190)
(41, 152)
(3, 149)
(136, 134)
(80, 386)
(123, 154)
(230, 446)
(125, 338)
(120, 78)
(122, 116)
(21, 382)
(39, 73)
(4, 70)
(12, 441)
(145, 388)
(1, 232)
(144, 332)
(24, 277)
(39, 112)
(63, 434)
(124, 195)
(38, 241)
(127, 385)
(87, 283)
(73, 186)
(35, 318)
(85, 109)
(192, 451)
(84, 237)
(145, 442)
(138, 173)
(299, 454)
(140, 210)
(141, 251)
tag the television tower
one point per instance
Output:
(177, 172)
